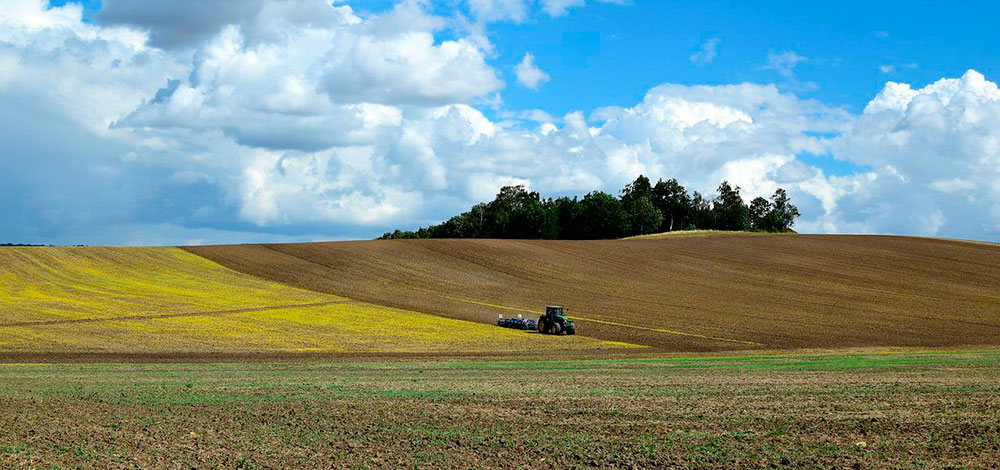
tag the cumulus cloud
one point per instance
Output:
(937, 153)
(178, 23)
(310, 120)
(528, 74)
(263, 128)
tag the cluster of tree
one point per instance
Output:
(642, 208)
(20, 244)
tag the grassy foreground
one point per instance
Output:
(907, 410)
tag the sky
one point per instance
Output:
(137, 122)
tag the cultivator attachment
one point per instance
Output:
(519, 323)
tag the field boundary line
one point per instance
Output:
(612, 323)
(70, 321)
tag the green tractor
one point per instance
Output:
(555, 322)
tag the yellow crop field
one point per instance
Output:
(151, 300)
(45, 283)
(335, 328)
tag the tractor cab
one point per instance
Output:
(554, 322)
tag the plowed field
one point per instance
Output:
(706, 293)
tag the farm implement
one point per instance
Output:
(553, 322)
(519, 323)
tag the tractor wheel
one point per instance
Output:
(571, 331)
(556, 328)
(542, 326)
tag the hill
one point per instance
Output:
(710, 293)
(165, 302)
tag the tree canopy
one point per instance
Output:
(642, 208)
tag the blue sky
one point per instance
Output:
(607, 54)
(302, 120)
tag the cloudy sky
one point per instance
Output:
(185, 121)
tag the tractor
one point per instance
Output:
(555, 322)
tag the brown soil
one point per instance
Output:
(674, 294)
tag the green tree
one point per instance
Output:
(527, 221)
(638, 189)
(702, 216)
(674, 203)
(642, 214)
(514, 213)
(760, 208)
(783, 213)
(566, 212)
(477, 221)
(519, 213)
(601, 216)
(643, 217)
(729, 210)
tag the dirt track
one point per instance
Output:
(675, 294)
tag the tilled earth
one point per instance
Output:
(713, 293)
(911, 410)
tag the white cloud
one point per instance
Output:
(892, 68)
(706, 52)
(560, 7)
(528, 74)
(348, 125)
(556, 8)
(785, 62)
(938, 148)
(499, 10)
(178, 23)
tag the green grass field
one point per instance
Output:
(860, 410)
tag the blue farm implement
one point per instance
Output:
(518, 323)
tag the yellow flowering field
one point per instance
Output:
(149, 300)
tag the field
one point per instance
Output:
(151, 302)
(844, 410)
(708, 292)
(701, 292)
(705, 350)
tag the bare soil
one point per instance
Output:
(710, 293)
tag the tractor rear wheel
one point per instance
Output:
(542, 326)
(556, 328)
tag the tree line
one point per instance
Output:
(641, 208)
